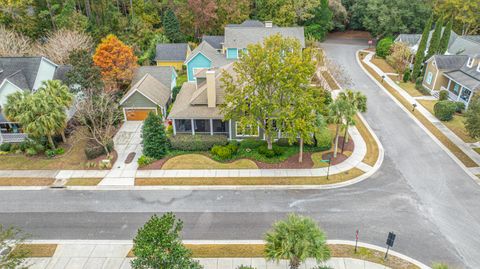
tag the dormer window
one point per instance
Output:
(470, 62)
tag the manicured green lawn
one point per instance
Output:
(456, 125)
(182, 78)
(410, 88)
(199, 161)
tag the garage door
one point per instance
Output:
(138, 114)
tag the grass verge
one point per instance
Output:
(409, 87)
(21, 181)
(257, 251)
(249, 181)
(373, 151)
(83, 181)
(467, 161)
(455, 125)
(198, 161)
(383, 65)
(35, 250)
(326, 75)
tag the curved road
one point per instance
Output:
(420, 193)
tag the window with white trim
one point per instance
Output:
(247, 131)
(429, 78)
(470, 62)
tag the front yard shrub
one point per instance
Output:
(443, 95)
(418, 83)
(222, 152)
(383, 47)
(252, 143)
(145, 160)
(406, 75)
(155, 142)
(282, 142)
(169, 131)
(233, 146)
(460, 107)
(50, 153)
(93, 151)
(6, 147)
(197, 142)
(324, 139)
(270, 153)
(444, 110)
(245, 267)
(31, 151)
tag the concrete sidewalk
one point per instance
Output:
(465, 147)
(123, 175)
(79, 254)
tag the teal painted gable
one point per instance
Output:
(174, 80)
(199, 61)
(232, 53)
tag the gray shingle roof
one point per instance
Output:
(161, 73)
(473, 83)
(450, 62)
(475, 38)
(248, 23)
(61, 72)
(215, 41)
(22, 71)
(171, 52)
(211, 53)
(191, 102)
(241, 37)
(464, 46)
(152, 89)
(409, 39)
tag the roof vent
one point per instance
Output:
(268, 24)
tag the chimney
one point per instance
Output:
(211, 89)
(268, 24)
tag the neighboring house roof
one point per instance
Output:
(21, 71)
(241, 37)
(211, 53)
(409, 39)
(176, 52)
(192, 101)
(216, 41)
(464, 46)
(475, 38)
(460, 76)
(449, 62)
(161, 73)
(152, 89)
(248, 23)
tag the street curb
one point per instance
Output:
(226, 242)
(434, 138)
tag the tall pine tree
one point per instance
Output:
(435, 40)
(445, 38)
(172, 27)
(420, 56)
(154, 137)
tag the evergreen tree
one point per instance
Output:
(421, 50)
(154, 137)
(321, 23)
(172, 27)
(435, 40)
(445, 38)
(158, 245)
(84, 74)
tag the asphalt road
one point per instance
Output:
(420, 193)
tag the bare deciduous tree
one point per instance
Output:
(13, 43)
(339, 73)
(98, 112)
(61, 43)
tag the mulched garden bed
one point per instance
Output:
(290, 163)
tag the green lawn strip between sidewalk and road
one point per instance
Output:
(25, 181)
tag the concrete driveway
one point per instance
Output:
(127, 140)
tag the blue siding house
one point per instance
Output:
(204, 57)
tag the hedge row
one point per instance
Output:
(197, 142)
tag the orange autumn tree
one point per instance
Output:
(116, 62)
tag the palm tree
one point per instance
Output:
(61, 99)
(296, 239)
(357, 102)
(15, 105)
(337, 111)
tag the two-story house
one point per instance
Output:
(196, 108)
